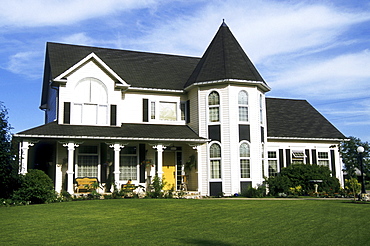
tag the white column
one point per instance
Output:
(71, 150)
(160, 148)
(58, 178)
(117, 148)
(199, 169)
(23, 154)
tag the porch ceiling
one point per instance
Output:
(136, 132)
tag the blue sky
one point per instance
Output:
(313, 50)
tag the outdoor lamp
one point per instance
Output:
(360, 150)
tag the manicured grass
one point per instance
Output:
(187, 222)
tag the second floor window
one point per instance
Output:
(244, 155)
(243, 106)
(214, 107)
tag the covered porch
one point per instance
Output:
(114, 156)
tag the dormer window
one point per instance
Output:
(214, 107)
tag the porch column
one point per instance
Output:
(160, 148)
(58, 178)
(23, 154)
(71, 150)
(117, 148)
(199, 169)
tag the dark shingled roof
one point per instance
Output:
(297, 119)
(224, 59)
(126, 131)
(138, 69)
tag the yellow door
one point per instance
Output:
(169, 170)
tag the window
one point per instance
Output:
(215, 161)
(128, 163)
(168, 111)
(90, 103)
(298, 156)
(152, 110)
(261, 109)
(323, 158)
(244, 155)
(214, 107)
(183, 110)
(272, 162)
(243, 106)
(87, 161)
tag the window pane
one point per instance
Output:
(128, 168)
(152, 110)
(272, 167)
(89, 114)
(245, 170)
(243, 113)
(214, 114)
(213, 98)
(167, 111)
(215, 151)
(243, 98)
(244, 150)
(271, 154)
(215, 169)
(323, 155)
(87, 166)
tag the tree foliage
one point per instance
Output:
(348, 151)
(9, 178)
(301, 175)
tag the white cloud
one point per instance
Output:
(78, 39)
(23, 63)
(34, 13)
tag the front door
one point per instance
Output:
(169, 170)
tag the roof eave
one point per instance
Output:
(308, 139)
(263, 86)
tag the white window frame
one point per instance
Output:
(272, 160)
(123, 175)
(298, 156)
(78, 166)
(243, 104)
(214, 159)
(245, 160)
(212, 107)
(323, 159)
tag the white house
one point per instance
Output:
(120, 115)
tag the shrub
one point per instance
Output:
(156, 190)
(36, 187)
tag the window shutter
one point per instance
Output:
(67, 113)
(288, 157)
(307, 152)
(187, 115)
(332, 157)
(314, 157)
(145, 110)
(281, 158)
(113, 115)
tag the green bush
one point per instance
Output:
(36, 187)
(301, 175)
(156, 190)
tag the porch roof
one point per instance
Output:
(128, 132)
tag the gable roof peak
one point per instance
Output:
(223, 23)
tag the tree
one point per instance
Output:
(9, 178)
(348, 151)
(353, 186)
(301, 175)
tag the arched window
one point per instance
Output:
(243, 106)
(214, 106)
(215, 161)
(244, 155)
(90, 103)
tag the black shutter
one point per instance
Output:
(145, 110)
(314, 157)
(187, 112)
(142, 153)
(214, 132)
(288, 157)
(332, 160)
(113, 115)
(215, 188)
(307, 153)
(281, 158)
(67, 113)
(262, 134)
(244, 133)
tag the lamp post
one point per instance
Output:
(360, 150)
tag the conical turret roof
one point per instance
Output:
(224, 59)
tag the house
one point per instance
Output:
(120, 115)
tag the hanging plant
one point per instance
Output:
(191, 163)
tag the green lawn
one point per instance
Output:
(187, 222)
